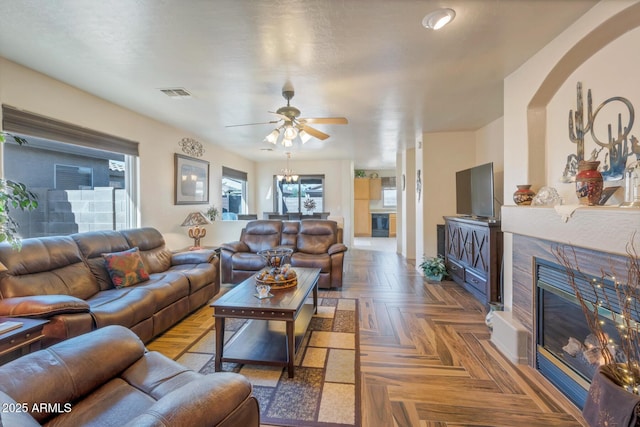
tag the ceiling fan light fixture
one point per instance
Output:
(438, 18)
(290, 132)
(273, 137)
(287, 142)
(304, 137)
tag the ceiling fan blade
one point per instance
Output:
(315, 132)
(282, 116)
(252, 124)
(326, 120)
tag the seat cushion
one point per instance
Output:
(321, 261)
(198, 275)
(126, 307)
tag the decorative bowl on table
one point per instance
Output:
(278, 272)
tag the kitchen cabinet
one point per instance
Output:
(473, 255)
(361, 218)
(392, 225)
(361, 214)
(361, 189)
(375, 189)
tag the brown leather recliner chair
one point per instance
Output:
(316, 243)
(106, 377)
(317, 247)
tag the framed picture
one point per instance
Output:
(191, 180)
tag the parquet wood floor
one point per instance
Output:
(426, 358)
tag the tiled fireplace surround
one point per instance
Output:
(599, 235)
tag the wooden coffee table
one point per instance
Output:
(263, 339)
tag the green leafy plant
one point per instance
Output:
(13, 195)
(212, 213)
(360, 173)
(433, 266)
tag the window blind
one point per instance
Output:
(234, 174)
(31, 124)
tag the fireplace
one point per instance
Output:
(543, 303)
(567, 353)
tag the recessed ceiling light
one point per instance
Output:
(438, 18)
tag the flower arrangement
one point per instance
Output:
(212, 213)
(309, 204)
(434, 267)
(612, 297)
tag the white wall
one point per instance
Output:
(409, 205)
(490, 148)
(443, 153)
(26, 89)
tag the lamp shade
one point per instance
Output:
(195, 218)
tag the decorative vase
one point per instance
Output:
(588, 183)
(493, 307)
(523, 195)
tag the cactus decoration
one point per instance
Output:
(618, 147)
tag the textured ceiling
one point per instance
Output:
(370, 61)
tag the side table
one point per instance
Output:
(20, 341)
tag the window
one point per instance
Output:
(84, 179)
(389, 193)
(305, 196)
(234, 193)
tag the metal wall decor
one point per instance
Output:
(191, 147)
(619, 147)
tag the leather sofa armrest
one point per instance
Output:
(236, 246)
(42, 306)
(207, 401)
(337, 248)
(199, 256)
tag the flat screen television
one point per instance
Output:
(474, 191)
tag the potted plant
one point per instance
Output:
(13, 195)
(433, 268)
(212, 213)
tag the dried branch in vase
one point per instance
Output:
(612, 297)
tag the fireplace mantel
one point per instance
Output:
(602, 228)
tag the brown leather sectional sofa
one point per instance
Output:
(64, 279)
(316, 243)
(107, 378)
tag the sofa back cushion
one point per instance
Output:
(262, 234)
(290, 231)
(153, 251)
(93, 245)
(46, 266)
(317, 235)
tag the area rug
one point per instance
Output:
(325, 390)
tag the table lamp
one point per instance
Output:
(195, 221)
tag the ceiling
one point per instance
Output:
(370, 61)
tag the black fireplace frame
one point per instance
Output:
(552, 277)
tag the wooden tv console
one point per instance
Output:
(473, 255)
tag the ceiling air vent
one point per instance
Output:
(176, 92)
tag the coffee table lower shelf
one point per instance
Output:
(265, 342)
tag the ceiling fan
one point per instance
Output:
(292, 126)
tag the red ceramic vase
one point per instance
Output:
(588, 183)
(523, 195)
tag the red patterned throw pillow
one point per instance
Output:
(125, 268)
